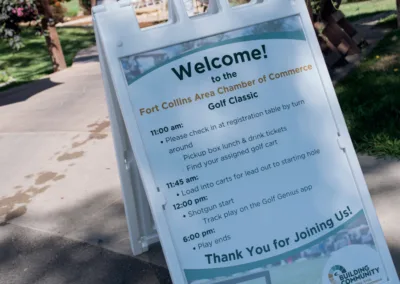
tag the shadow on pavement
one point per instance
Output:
(371, 165)
(87, 55)
(33, 257)
(24, 92)
(395, 252)
(87, 58)
(369, 17)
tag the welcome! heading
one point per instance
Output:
(218, 62)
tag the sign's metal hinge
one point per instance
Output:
(341, 143)
(127, 159)
(164, 200)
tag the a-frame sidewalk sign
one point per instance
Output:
(232, 148)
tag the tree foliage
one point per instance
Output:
(86, 5)
(398, 13)
(12, 13)
(322, 8)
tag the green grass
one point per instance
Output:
(370, 100)
(359, 10)
(33, 61)
(72, 8)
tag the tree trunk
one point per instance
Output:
(398, 13)
(308, 3)
(51, 36)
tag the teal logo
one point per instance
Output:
(366, 275)
(335, 273)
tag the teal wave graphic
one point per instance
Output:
(293, 35)
(198, 274)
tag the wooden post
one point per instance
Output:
(51, 36)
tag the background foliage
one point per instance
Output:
(15, 12)
(12, 13)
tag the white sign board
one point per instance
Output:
(244, 154)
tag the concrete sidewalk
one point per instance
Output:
(61, 214)
(62, 219)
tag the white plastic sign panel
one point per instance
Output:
(243, 150)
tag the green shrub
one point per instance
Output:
(86, 6)
(4, 76)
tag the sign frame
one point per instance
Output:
(116, 28)
(142, 232)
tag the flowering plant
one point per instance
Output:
(12, 13)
